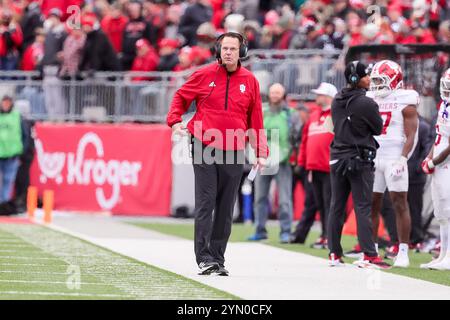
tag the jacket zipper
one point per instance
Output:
(226, 92)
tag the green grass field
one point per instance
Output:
(39, 263)
(240, 232)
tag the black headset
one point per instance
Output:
(243, 49)
(354, 77)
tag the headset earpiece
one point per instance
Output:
(354, 77)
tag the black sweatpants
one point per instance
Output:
(360, 184)
(309, 211)
(388, 215)
(217, 180)
(415, 201)
(322, 195)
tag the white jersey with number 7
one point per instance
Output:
(393, 138)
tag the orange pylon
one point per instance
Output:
(32, 196)
(48, 202)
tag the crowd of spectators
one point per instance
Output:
(171, 35)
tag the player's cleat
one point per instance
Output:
(401, 261)
(355, 253)
(221, 271)
(436, 250)
(391, 252)
(207, 268)
(335, 260)
(321, 243)
(444, 264)
(372, 262)
(430, 264)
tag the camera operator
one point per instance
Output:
(356, 121)
(10, 41)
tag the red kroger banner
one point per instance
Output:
(125, 169)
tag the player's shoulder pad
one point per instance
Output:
(407, 97)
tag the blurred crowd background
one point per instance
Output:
(170, 35)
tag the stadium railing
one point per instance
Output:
(146, 96)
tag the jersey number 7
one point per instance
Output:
(386, 116)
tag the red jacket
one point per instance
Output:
(31, 56)
(149, 62)
(113, 28)
(316, 139)
(224, 101)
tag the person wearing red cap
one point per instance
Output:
(168, 54)
(228, 103)
(147, 58)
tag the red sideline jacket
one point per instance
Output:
(316, 139)
(224, 101)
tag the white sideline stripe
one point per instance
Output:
(33, 265)
(29, 258)
(43, 293)
(20, 245)
(55, 282)
(59, 273)
(33, 272)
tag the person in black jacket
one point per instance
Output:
(356, 120)
(32, 19)
(137, 28)
(98, 53)
(193, 17)
(417, 179)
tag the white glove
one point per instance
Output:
(399, 167)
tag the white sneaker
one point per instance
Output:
(430, 264)
(401, 261)
(442, 265)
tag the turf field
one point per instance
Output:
(39, 263)
(240, 232)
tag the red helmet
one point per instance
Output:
(445, 86)
(386, 76)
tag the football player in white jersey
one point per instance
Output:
(437, 163)
(398, 108)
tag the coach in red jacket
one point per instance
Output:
(314, 154)
(229, 108)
